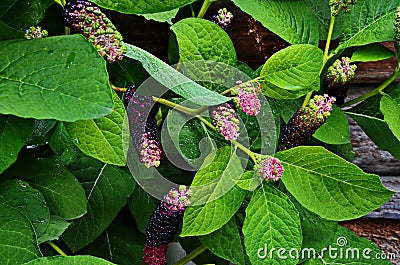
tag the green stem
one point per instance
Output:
(56, 248)
(246, 150)
(191, 255)
(175, 106)
(376, 91)
(325, 59)
(204, 8)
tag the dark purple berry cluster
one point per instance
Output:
(143, 127)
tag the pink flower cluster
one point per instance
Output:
(226, 120)
(150, 152)
(318, 109)
(270, 169)
(341, 71)
(178, 200)
(223, 18)
(246, 97)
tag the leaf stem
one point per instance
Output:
(56, 248)
(118, 89)
(171, 104)
(191, 255)
(374, 92)
(325, 58)
(204, 7)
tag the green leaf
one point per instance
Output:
(371, 52)
(335, 130)
(369, 21)
(9, 33)
(213, 185)
(391, 110)
(107, 192)
(226, 243)
(174, 80)
(14, 133)
(62, 191)
(317, 232)
(101, 138)
(69, 260)
(141, 205)
(322, 12)
(200, 39)
(22, 14)
(141, 6)
(271, 221)
(249, 181)
(379, 132)
(17, 238)
(348, 248)
(330, 186)
(28, 201)
(165, 16)
(54, 230)
(293, 20)
(39, 135)
(292, 72)
(68, 80)
(119, 243)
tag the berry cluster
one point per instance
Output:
(306, 121)
(143, 127)
(397, 25)
(337, 5)
(35, 33)
(226, 120)
(223, 19)
(246, 97)
(270, 169)
(164, 224)
(86, 18)
(337, 79)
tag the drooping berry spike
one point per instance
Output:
(35, 33)
(164, 224)
(338, 77)
(86, 18)
(226, 120)
(270, 169)
(143, 127)
(397, 25)
(306, 121)
(337, 5)
(223, 19)
(246, 97)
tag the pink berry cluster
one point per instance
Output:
(270, 169)
(246, 97)
(86, 18)
(164, 224)
(223, 19)
(226, 120)
(341, 71)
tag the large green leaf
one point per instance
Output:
(372, 52)
(28, 201)
(9, 33)
(69, 260)
(213, 185)
(54, 230)
(107, 192)
(271, 222)
(22, 14)
(226, 243)
(101, 138)
(330, 186)
(174, 80)
(200, 39)
(292, 20)
(390, 108)
(142, 6)
(348, 248)
(165, 16)
(292, 72)
(14, 133)
(61, 78)
(62, 191)
(335, 130)
(17, 238)
(369, 21)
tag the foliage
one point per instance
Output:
(69, 176)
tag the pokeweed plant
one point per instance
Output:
(89, 143)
